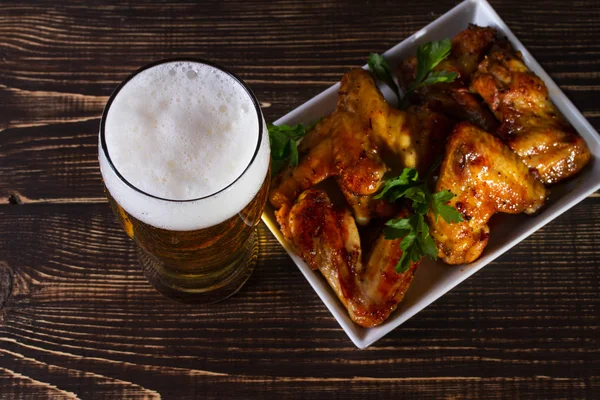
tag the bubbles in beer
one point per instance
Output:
(178, 130)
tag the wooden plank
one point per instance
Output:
(60, 64)
(17, 386)
(525, 324)
(77, 318)
(74, 384)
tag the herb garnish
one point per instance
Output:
(284, 149)
(414, 230)
(429, 55)
(381, 70)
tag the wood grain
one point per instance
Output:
(521, 323)
(78, 319)
(59, 65)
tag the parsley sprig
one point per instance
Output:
(416, 242)
(429, 55)
(380, 68)
(284, 149)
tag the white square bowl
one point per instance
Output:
(433, 279)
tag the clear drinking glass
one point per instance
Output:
(195, 250)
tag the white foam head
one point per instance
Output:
(183, 131)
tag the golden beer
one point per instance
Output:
(193, 208)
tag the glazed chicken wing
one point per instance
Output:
(469, 47)
(358, 165)
(313, 168)
(486, 177)
(531, 125)
(363, 139)
(406, 139)
(338, 146)
(327, 239)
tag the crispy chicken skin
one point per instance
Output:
(365, 139)
(469, 48)
(347, 154)
(338, 146)
(411, 139)
(531, 125)
(454, 100)
(358, 143)
(317, 133)
(313, 168)
(327, 239)
(486, 177)
(405, 139)
(359, 168)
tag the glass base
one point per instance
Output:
(201, 288)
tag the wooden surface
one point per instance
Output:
(77, 318)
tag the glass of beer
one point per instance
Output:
(185, 159)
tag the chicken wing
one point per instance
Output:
(317, 133)
(313, 168)
(405, 139)
(357, 144)
(469, 48)
(327, 239)
(346, 154)
(486, 177)
(453, 99)
(531, 125)
(358, 165)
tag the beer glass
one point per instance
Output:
(185, 159)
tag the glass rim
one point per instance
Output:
(115, 92)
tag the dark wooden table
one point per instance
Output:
(78, 319)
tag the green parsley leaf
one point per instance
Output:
(295, 132)
(429, 55)
(405, 180)
(293, 152)
(438, 206)
(418, 195)
(428, 246)
(410, 252)
(438, 77)
(443, 196)
(414, 231)
(277, 165)
(397, 228)
(283, 140)
(279, 144)
(381, 70)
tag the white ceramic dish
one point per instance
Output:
(433, 279)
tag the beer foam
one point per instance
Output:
(183, 131)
